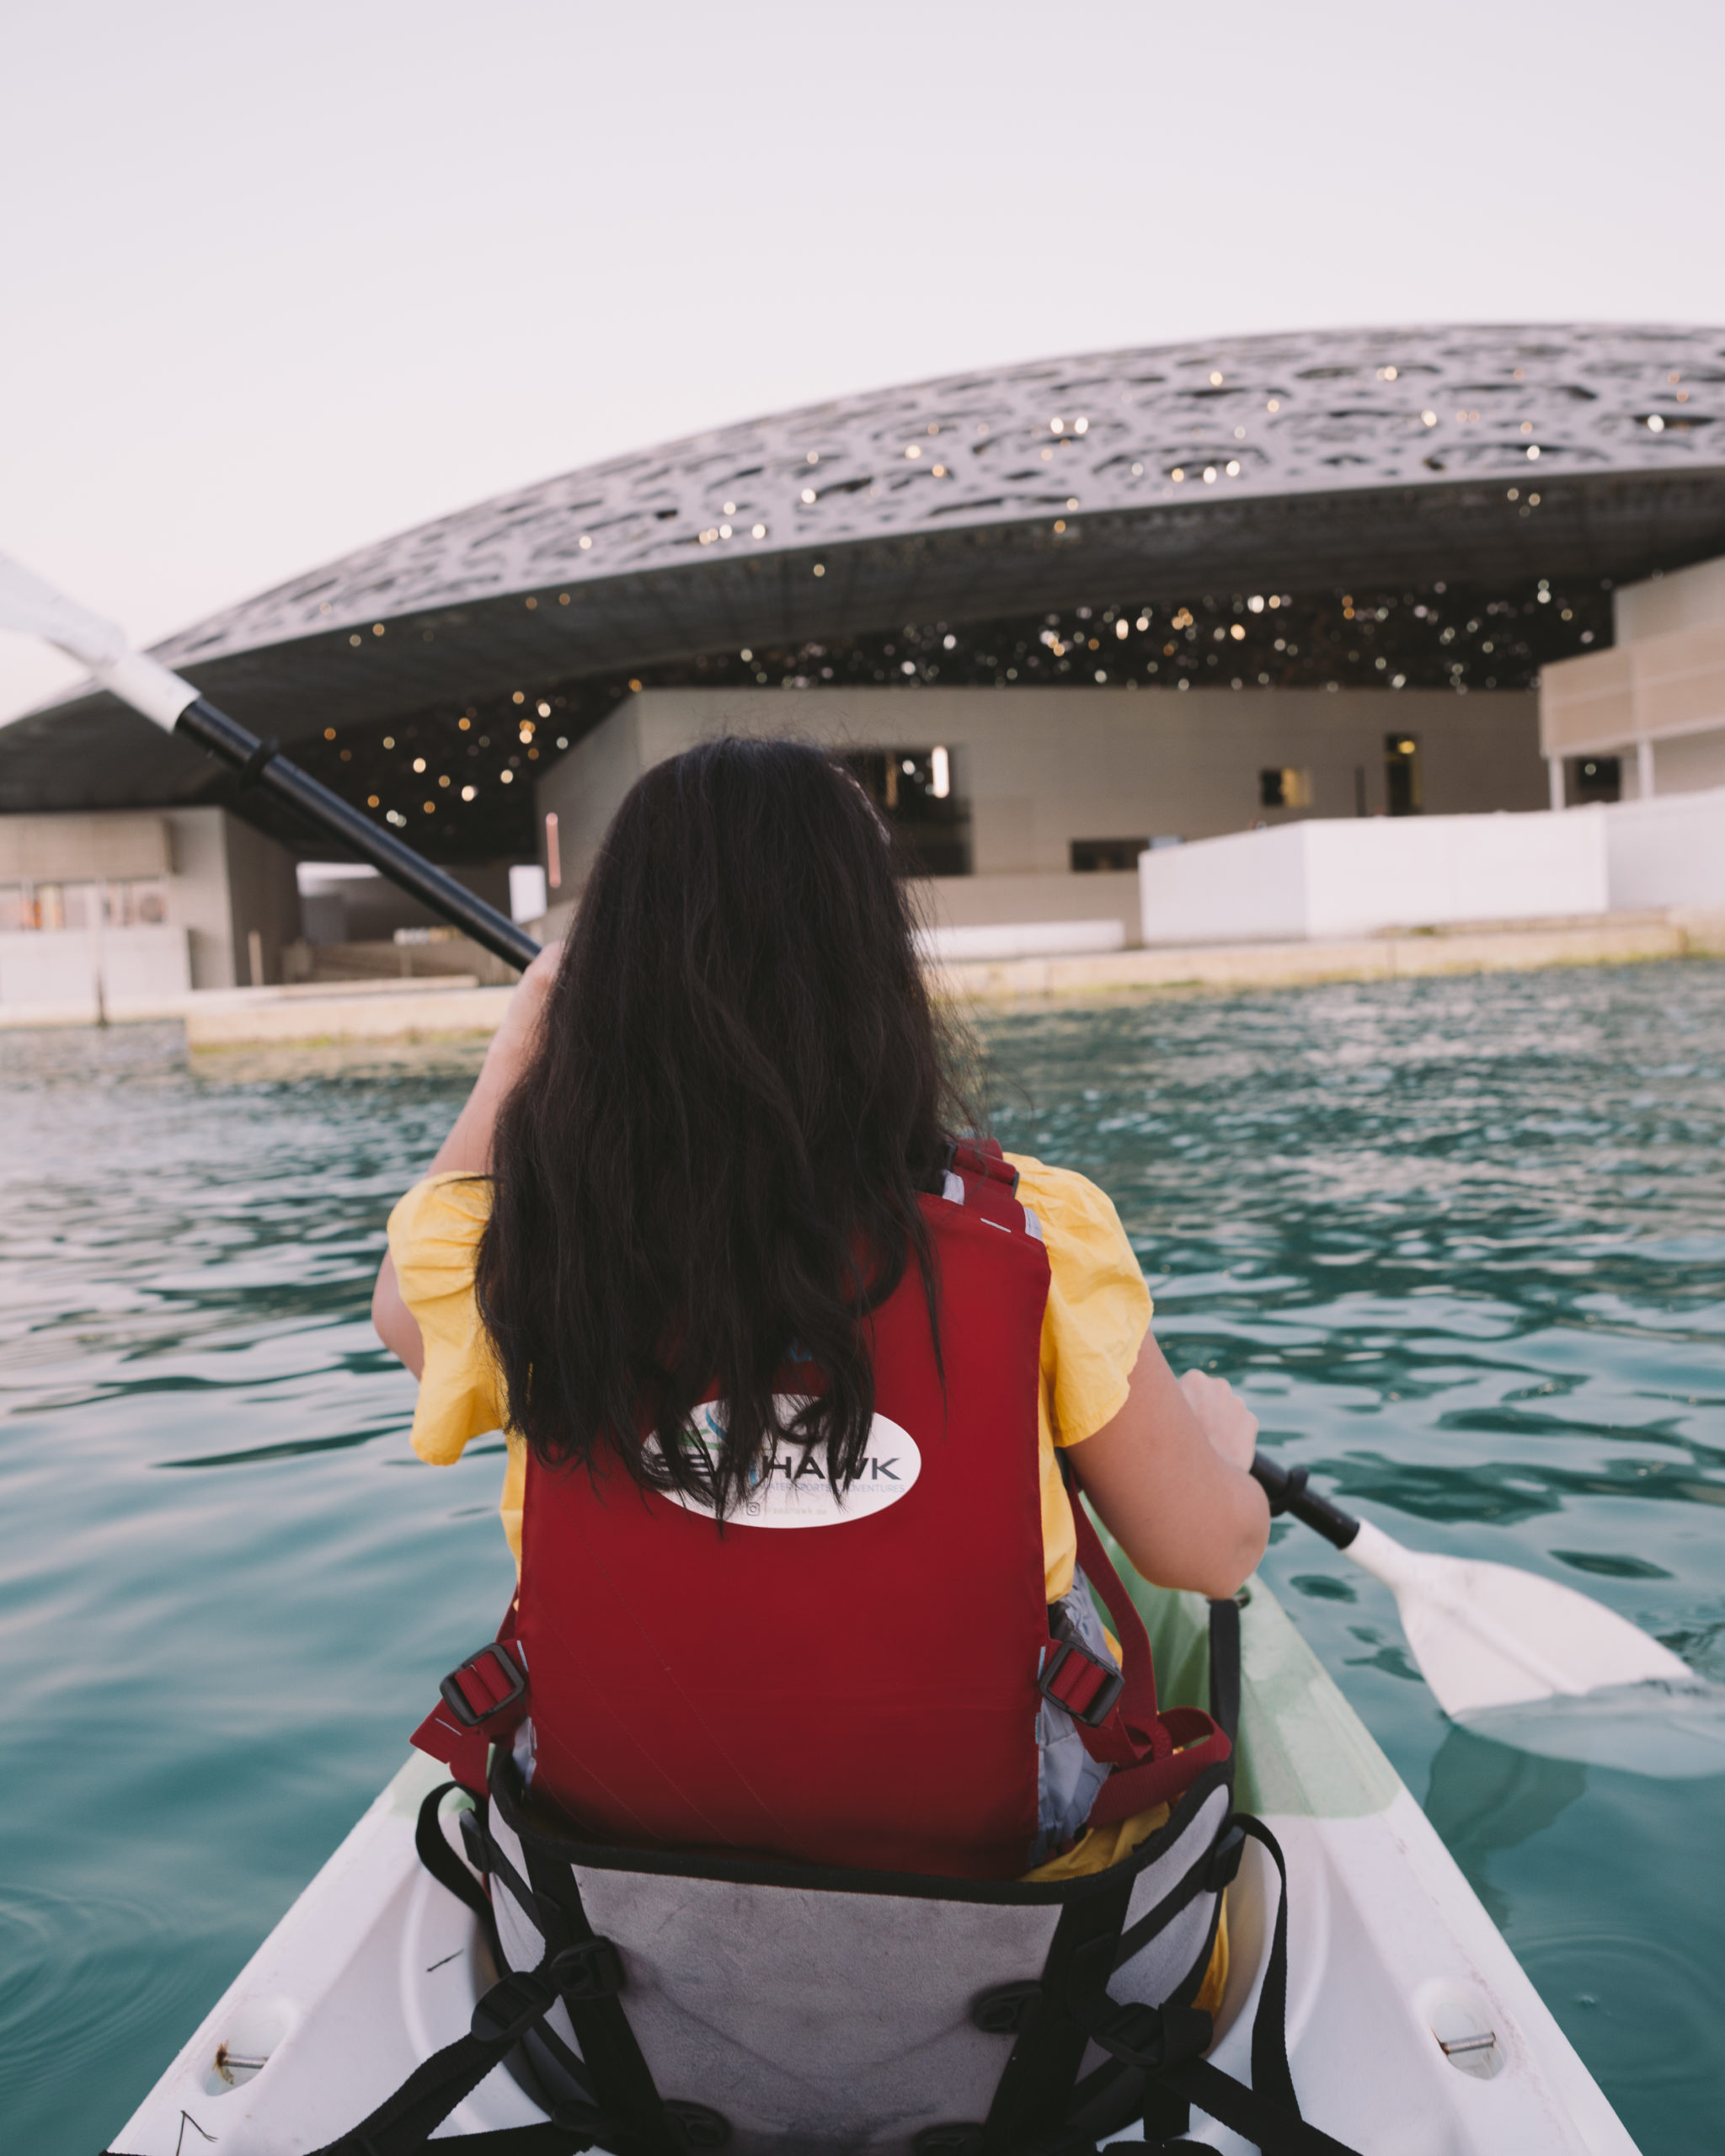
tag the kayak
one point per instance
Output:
(1412, 2029)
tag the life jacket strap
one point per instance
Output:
(487, 1683)
(988, 1182)
(1079, 1681)
(982, 1156)
(483, 1702)
(1156, 1755)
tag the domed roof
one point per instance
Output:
(1296, 459)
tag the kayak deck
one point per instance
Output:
(1412, 2029)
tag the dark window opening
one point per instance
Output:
(914, 789)
(1098, 857)
(1596, 778)
(1284, 788)
(1401, 786)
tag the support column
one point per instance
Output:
(1644, 769)
(1554, 772)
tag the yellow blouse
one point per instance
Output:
(1098, 1313)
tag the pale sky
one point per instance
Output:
(279, 280)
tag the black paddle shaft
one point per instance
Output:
(261, 763)
(1285, 1488)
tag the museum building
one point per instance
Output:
(1053, 616)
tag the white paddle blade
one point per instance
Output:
(36, 608)
(1488, 1636)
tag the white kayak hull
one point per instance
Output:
(1392, 1958)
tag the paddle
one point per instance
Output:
(1484, 1635)
(36, 609)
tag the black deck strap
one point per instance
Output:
(1270, 2074)
(1036, 2087)
(497, 1865)
(1147, 2038)
(1202, 1878)
(1272, 2129)
(1164, 2043)
(441, 1860)
(403, 2124)
(1225, 1667)
(1166, 2115)
(622, 2080)
(1266, 2113)
(1115, 2092)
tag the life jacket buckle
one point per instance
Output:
(1076, 1679)
(472, 1705)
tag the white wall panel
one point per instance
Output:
(1358, 877)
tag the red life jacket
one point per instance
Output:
(855, 1682)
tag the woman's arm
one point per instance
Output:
(1168, 1478)
(468, 1148)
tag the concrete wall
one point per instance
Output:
(980, 901)
(583, 788)
(142, 970)
(262, 895)
(1321, 879)
(115, 849)
(1668, 852)
(198, 895)
(1687, 763)
(1682, 599)
(1041, 767)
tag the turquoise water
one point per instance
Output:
(1462, 1241)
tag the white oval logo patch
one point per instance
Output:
(795, 1492)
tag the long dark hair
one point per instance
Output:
(709, 1170)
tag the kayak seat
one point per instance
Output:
(661, 2003)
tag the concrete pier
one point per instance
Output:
(372, 1011)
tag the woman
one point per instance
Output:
(704, 1243)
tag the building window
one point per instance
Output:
(1284, 788)
(1401, 786)
(914, 791)
(1098, 857)
(1595, 778)
(49, 906)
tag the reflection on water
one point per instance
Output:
(1676, 1732)
(1484, 1797)
(1461, 1242)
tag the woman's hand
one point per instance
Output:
(1223, 1417)
(520, 1021)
